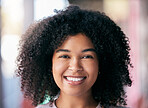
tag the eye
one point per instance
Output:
(64, 56)
(87, 57)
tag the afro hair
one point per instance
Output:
(38, 43)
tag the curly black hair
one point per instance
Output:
(39, 42)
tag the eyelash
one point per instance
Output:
(64, 56)
(87, 57)
(84, 57)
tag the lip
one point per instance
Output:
(74, 83)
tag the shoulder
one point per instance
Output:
(118, 107)
(111, 106)
(48, 105)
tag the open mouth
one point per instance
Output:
(75, 80)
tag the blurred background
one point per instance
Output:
(17, 15)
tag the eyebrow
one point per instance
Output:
(85, 50)
(90, 49)
(62, 50)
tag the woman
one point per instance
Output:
(79, 58)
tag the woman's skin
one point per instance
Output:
(75, 70)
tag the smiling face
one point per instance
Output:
(75, 65)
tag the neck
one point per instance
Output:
(81, 101)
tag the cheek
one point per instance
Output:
(58, 67)
(91, 68)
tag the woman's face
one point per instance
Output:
(75, 65)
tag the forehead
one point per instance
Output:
(77, 41)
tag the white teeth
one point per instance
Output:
(74, 79)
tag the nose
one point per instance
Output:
(75, 65)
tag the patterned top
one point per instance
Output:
(52, 105)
